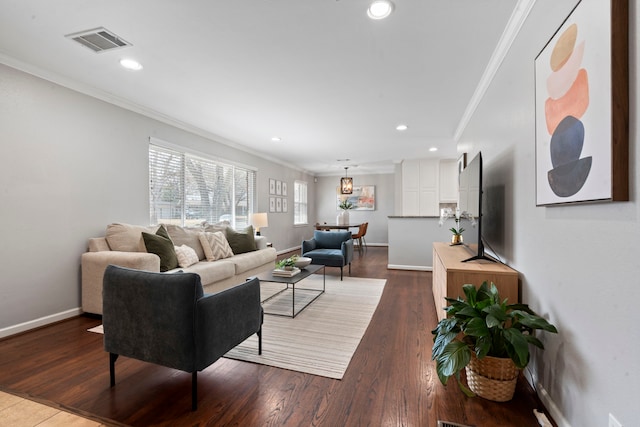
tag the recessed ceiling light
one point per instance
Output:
(131, 64)
(433, 149)
(276, 139)
(402, 127)
(380, 9)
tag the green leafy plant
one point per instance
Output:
(457, 231)
(287, 262)
(346, 205)
(457, 215)
(486, 326)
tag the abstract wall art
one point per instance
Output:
(363, 197)
(581, 94)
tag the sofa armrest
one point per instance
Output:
(97, 244)
(95, 263)
(308, 245)
(347, 250)
(261, 242)
(225, 319)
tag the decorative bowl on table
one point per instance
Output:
(302, 262)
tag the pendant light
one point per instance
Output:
(346, 183)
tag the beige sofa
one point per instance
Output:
(124, 246)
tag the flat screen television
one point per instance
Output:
(470, 200)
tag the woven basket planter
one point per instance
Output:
(493, 378)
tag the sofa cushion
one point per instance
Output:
(250, 260)
(186, 236)
(186, 255)
(215, 246)
(127, 237)
(161, 245)
(211, 272)
(330, 257)
(241, 241)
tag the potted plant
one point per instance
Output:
(484, 335)
(343, 217)
(458, 215)
(287, 263)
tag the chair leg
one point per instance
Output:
(194, 391)
(349, 269)
(260, 341)
(112, 369)
(341, 273)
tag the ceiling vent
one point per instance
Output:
(99, 40)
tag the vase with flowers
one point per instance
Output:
(457, 215)
(343, 215)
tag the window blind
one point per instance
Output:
(300, 202)
(190, 189)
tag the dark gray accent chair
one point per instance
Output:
(166, 319)
(329, 248)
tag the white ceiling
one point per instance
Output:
(321, 75)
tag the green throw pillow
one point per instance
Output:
(241, 242)
(161, 245)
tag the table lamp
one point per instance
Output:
(259, 220)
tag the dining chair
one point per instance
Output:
(359, 236)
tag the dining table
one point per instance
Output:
(326, 226)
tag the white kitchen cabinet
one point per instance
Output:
(448, 181)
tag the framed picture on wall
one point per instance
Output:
(284, 205)
(284, 188)
(278, 204)
(272, 186)
(272, 204)
(363, 197)
(582, 107)
(278, 188)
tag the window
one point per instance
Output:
(300, 202)
(186, 189)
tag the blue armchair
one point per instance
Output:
(330, 248)
(164, 318)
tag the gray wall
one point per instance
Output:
(70, 165)
(578, 264)
(326, 204)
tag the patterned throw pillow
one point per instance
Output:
(215, 246)
(186, 256)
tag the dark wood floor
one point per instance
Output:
(391, 380)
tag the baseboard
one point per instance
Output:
(409, 267)
(284, 251)
(36, 323)
(553, 409)
(546, 400)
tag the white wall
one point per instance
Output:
(578, 264)
(326, 204)
(70, 165)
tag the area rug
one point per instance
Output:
(322, 339)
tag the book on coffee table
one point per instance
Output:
(286, 273)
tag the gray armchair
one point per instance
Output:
(330, 248)
(164, 318)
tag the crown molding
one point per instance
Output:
(511, 31)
